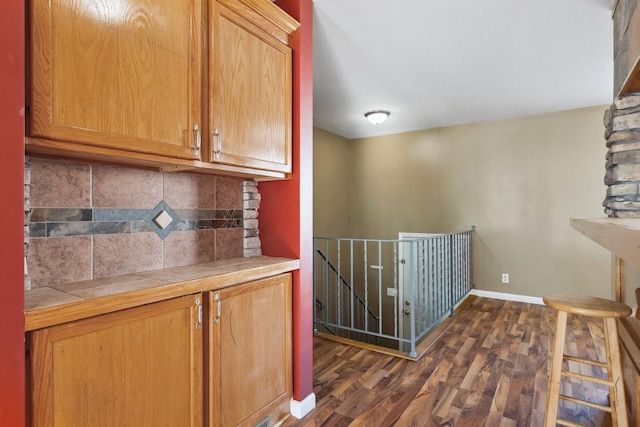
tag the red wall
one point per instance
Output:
(12, 219)
(286, 210)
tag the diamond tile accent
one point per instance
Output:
(162, 219)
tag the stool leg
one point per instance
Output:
(551, 413)
(616, 395)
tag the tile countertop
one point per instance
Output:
(67, 302)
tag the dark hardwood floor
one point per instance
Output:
(488, 368)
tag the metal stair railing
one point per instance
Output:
(346, 284)
(413, 284)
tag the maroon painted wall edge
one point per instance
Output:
(12, 392)
(286, 210)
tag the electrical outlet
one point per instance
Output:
(505, 278)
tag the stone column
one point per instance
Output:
(251, 204)
(622, 122)
(27, 218)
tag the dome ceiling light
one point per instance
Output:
(377, 117)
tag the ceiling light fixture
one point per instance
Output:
(377, 117)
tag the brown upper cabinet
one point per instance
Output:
(174, 84)
(124, 75)
(250, 90)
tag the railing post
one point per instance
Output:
(339, 287)
(327, 315)
(366, 286)
(395, 287)
(351, 277)
(315, 295)
(380, 272)
(470, 260)
(451, 303)
(412, 281)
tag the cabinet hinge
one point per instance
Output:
(199, 305)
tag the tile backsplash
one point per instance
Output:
(87, 221)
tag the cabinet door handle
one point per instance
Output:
(199, 305)
(218, 144)
(216, 298)
(196, 150)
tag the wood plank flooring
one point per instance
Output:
(489, 368)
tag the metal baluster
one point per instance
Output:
(339, 284)
(395, 287)
(315, 295)
(379, 326)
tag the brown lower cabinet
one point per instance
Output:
(149, 365)
(250, 362)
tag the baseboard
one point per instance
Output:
(300, 409)
(508, 297)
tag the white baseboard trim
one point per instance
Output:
(300, 409)
(508, 297)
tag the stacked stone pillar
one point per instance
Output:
(622, 122)
(252, 246)
(27, 219)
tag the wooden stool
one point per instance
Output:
(593, 307)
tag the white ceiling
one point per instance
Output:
(435, 63)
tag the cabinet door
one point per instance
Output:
(250, 354)
(118, 74)
(136, 367)
(250, 99)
